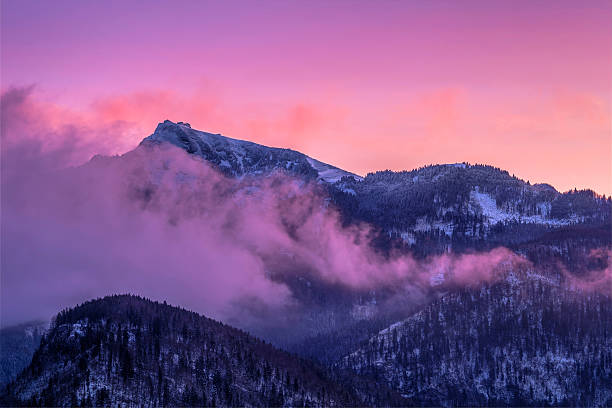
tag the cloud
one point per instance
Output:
(48, 131)
(598, 275)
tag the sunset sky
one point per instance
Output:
(522, 85)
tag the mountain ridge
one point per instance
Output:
(125, 349)
(430, 209)
(239, 157)
(175, 133)
(543, 344)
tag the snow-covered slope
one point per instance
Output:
(463, 202)
(329, 173)
(486, 205)
(522, 342)
(239, 157)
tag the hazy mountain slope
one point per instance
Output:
(525, 341)
(17, 345)
(125, 350)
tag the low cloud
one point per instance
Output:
(597, 276)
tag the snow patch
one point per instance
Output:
(494, 214)
(329, 173)
(408, 238)
(423, 226)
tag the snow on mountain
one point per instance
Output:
(466, 205)
(330, 174)
(239, 157)
(493, 214)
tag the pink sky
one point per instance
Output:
(525, 86)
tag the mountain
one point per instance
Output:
(464, 206)
(429, 210)
(126, 350)
(527, 340)
(17, 345)
(240, 158)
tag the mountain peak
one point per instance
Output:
(168, 131)
(239, 158)
(168, 122)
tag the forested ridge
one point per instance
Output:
(524, 341)
(125, 350)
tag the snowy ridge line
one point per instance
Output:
(241, 157)
(330, 174)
